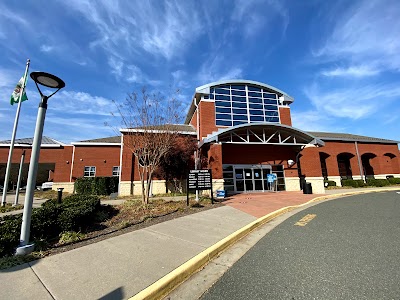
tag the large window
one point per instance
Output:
(240, 104)
(89, 171)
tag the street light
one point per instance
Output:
(50, 81)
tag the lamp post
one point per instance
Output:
(50, 81)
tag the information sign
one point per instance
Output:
(199, 180)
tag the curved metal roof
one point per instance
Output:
(203, 88)
(272, 133)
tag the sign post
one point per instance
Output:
(199, 180)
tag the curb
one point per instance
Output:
(169, 282)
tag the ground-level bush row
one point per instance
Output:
(75, 213)
(370, 182)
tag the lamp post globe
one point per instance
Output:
(48, 80)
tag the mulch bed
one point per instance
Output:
(131, 216)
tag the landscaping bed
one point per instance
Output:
(109, 221)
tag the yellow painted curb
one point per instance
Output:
(166, 284)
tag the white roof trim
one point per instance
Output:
(95, 144)
(127, 130)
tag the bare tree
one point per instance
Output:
(150, 120)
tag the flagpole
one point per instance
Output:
(9, 162)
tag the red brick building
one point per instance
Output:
(244, 132)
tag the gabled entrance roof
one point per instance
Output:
(263, 133)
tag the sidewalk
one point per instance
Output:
(122, 266)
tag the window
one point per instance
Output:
(115, 171)
(89, 172)
(238, 104)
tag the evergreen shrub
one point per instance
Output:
(330, 182)
(75, 212)
(96, 185)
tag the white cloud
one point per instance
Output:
(260, 15)
(46, 48)
(214, 69)
(72, 102)
(351, 102)
(78, 128)
(313, 120)
(131, 27)
(352, 71)
(366, 34)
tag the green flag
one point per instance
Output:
(17, 91)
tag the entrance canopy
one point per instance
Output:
(263, 133)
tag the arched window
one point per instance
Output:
(344, 165)
(322, 159)
(366, 163)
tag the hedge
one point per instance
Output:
(353, 183)
(330, 183)
(75, 213)
(370, 182)
(10, 230)
(377, 182)
(394, 180)
(96, 185)
(78, 211)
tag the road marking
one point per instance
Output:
(304, 221)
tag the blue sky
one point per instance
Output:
(338, 59)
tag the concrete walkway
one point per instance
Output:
(122, 266)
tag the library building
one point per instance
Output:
(244, 133)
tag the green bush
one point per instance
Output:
(377, 182)
(78, 211)
(10, 229)
(83, 185)
(96, 185)
(394, 180)
(75, 212)
(44, 221)
(353, 183)
(330, 182)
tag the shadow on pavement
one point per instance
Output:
(114, 295)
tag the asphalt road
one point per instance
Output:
(350, 249)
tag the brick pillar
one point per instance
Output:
(215, 160)
(332, 165)
(375, 164)
(355, 169)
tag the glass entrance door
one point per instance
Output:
(258, 180)
(239, 180)
(267, 185)
(250, 178)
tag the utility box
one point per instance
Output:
(307, 188)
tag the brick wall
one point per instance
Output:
(284, 114)
(61, 157)
(215, 160)
(193, 120)
(104, 158)
(381, 163)
(207, 118)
